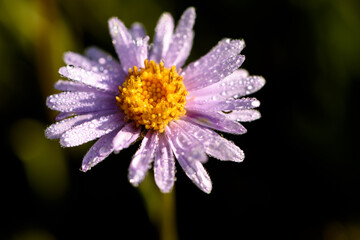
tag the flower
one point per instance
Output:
(149, 95)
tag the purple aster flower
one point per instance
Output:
(150, 95)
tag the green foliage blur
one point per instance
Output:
(300, 179)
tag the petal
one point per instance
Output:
(137, 30)
(99, 151)
(181, 41)
(215, 73)
(162, 39)
(235, 85)
(91, 130)
(63, 115)
(95, 60)
(141, 162)
(214, 144)
(103, 81)
(71, 86)
(221, 61)
(223, 105)
(189, 156)
(77, 60)
(244, 115)
(215, 121)
(164, 165)
(105, 60)
(55, 130)
(141, 48)
(125, 47)
(126, 136)
(81, 102)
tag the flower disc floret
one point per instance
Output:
(152, 96)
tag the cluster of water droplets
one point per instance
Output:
(244, 115)
(55, 130)
(214, 144)
(164, 165)
(98, 152)
(90, 130)
(162, 38)
(141, 162)
(80, 102)
(190, 154)
(214, 120)
(125, 137)
(100, 70)
(181, 40)
(221, 61)
(131, 51)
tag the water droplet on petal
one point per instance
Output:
(255, 103)
(102, 60)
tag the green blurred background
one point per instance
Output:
(300, 178)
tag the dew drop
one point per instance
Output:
(102, 60)
(255, 103)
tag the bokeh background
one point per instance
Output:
(300, 178)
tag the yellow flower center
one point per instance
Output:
(152, 96)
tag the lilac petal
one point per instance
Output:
(55, 130)
(225, 49)
(221, 61)
(189, 156)
(162, 39)
(235, 85)
(223, 105)
(214, 144)
(77, 60)
(141, 162)
(80, 102)
(215, 121)
(215, 73)
(63, 115)
(137, 30)
(141, 47)
(105, 60)
(244, 115)
(181, 41)
(106, 82)
(96, 61)
(126, 136)
(71, 86)
(91, 130)
(127, 50)
(164, 165)
(99, 151)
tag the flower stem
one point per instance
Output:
(168, 221)
(160, 208)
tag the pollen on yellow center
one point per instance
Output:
(152, 96)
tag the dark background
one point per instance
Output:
(300, 178)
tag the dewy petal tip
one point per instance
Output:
(143, 93)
